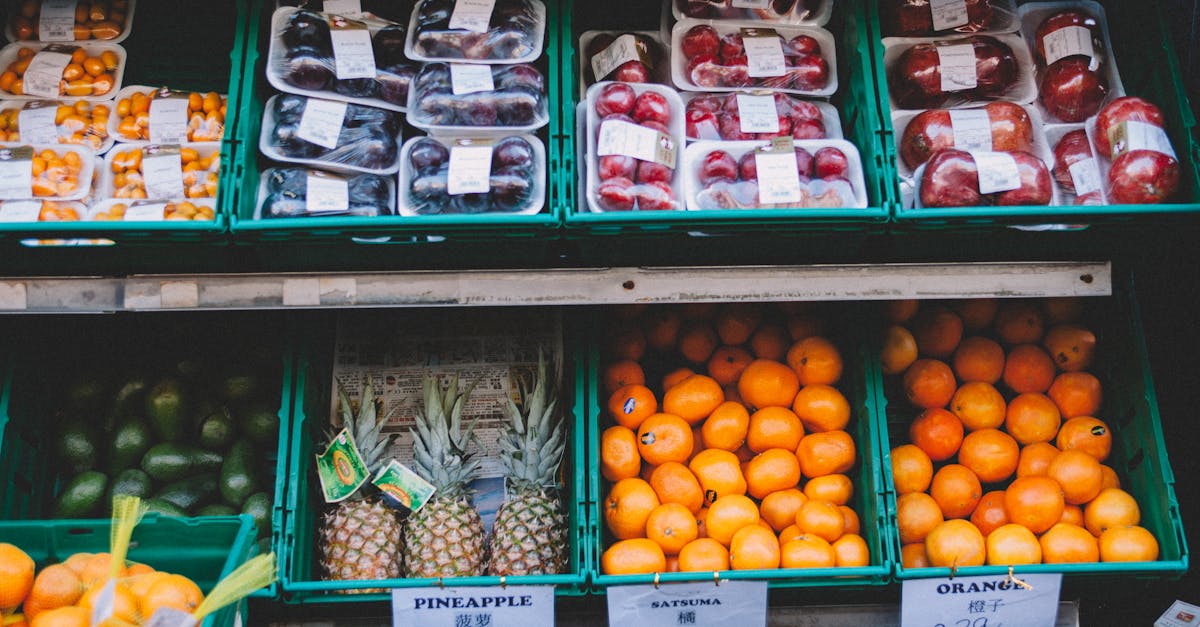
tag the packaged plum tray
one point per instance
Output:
(807, 12)
(800, 69)
(915, 18)
(516, 180)
(374, 138)
(283, 185)
(110, 23)
(514, 32)
(492, 99)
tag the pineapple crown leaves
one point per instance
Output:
(366, 427)
(439, 440)
(534, 443)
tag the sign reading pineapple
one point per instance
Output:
(512, 606)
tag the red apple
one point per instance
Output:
(654, 197)
(830, 161)
(1035, 186)
(1071, 91)
(809, 73)
(1061, 20)
(1123, 110)
(651, 172)
(1070, 149)
(632, 72)
(713, 104)
(615, 98)
(616, 195)
(951, 179)
(732, 46)
(731, 128)
(748, 167)
(703, 70)
(1143, 177)
(801, 45)
(702, 124)
(617, 166)
(652, 106)
(718, 165)
(808, 129)
(700, 40)
(915, 17)
(804, 163)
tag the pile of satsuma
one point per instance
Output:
(733, 453)
(1005, 460)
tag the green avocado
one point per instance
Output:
(217, 509)
(238, 473)
(217, 431)
(170, 461)
(77, 447)
(167, 411)
(82, 497)
(132, 482)
(190, 492)
(129, 443)
(261, 425)
(258, 505)
(166, 508)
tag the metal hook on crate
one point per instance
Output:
(1019, 582)
(441, 584)
(716, 579)
(953, 568)
(656, 580)
(503, 582)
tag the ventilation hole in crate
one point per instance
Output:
(80, 531)
(1135, 460)
(1127, 416)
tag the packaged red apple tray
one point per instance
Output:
(814, 12)
(925, 73)
(338, 136)
(623, 56)
(489, 31)
(1076, 73)
(462, 98)
(383, 9)
(773, 175)
(469, 176)
(635, 136)
(728, 56)
(928, 18)
(745, 116)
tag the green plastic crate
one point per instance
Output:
(400, 229)
(1149, 68)
(204, 550)
(855, 101)
(858, 384)
(300, 579)
(28, 465)
(210, 59)
(1139, 454)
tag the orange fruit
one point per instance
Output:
(697, 442)
(1113, 507)
(635, 556)
(1073, 515)
(821, 408)
(912, 470)
(1111, 480)
(977, 313)
(736, 322)
(1035, 502)
(767, 383)
(979, 359)
(804, 325)
(753, 548)
(55, 586)
(826, 453)
(1019, 322)
(697, 341)
(1076, 394)
(664, 438)
(989, 514)
(700, 522)
(96, 569)
(770, 341)
(1086, 434)
(835, 488)
(899, 350)
(955, 544)
(1032, 418)
(774, 427)
(852, 525)
(1079, 475)
(789, 532)
(929, 384)
(703, 555)
(732, 395)
(1128, 544)
(63, 617)
(627, 341)
(729, 514)
(627, 507)
(671, 379)
(727, 363)
(693, 399)
(140, 584)
(726, 427)
(16, 576)
(126, 607)
(938, 433)
(1071, 346)
(901, 310)
(779, 508)
(956, 490)
(1065, 543)
(719, 473)
(1028, 368)
(1062, 308)
(913, 555)
(632, 404)
(77, 561)
(978, 405)
(916, 515)
(816, 360)
(1010, 545)
(1036, 458)
(770, 471)
(622, 373)
(991, 454)
(661, 327)
(823, 519)
(619, 457)
(672, 526)
(937, 331)
(807, 551)
(674, 483)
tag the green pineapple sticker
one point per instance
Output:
(341, 468)
(402, 486)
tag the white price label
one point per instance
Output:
(21, 211)
(778, 178)
(512, 606)
(472, 15)
(45, 72)
(621, 51)
(169, 119)
(146, 212)
(469, 79)
(36, 122)
(972, 129)
(171, 617)
(321, 122)
(326, 193)
(978, 601)
(342, 7)
(623, 138)
(765, 56)
(750, 4)
(948, 14)
(956, 64)
(56, 21)
(1068, 42)
(1180, 614)
(998, 172)
(741, 603)
(757, 114)
(162, 170)
(1134, 135)
(1085, 176)
(13, 296)
(353, 56)
(470, 169)
(16, 172)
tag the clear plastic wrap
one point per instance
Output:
(162, 171)
(727, 56)
(513, 31)
(143, 115)
(42, 211)
(81, 123)
(628, 57)
(373, 69)
(383, 9)
(724, 175)
(35, 71)
(920, 18)
(999, 125)
(721, 117)
(511, 169)
(1076, 169)
(815, 12)
(1076, 72)
(925, 74)
(103, 20)
(337, 136)
(452, 97)
(50, 172)
(298, 192)
(635, 138)
(957, 178)
(1136, 158)
(179, 210)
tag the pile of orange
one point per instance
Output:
(84, 75)
(1005, 460)
(62, 595)
(733, 453)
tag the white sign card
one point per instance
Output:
(321, 122)
(1135, 135)
(326, 193)
(1085, 176)
(750, 4)
(469, 79)
(353, 56)
(778, 177)
(956, 64)
(469, 170)
(1180, 614)
(988, 600)
(948, 14)
(472, 15)
(342, 7)
(764, 54)
(1068, 42)
(21, 211)
(169, 118)
(972, 129)
(43, 76)
(757, 114)
(998, 172)
(162, 170)
(621, 51)
(16, 172)
(511, 606)
(618, 137)
(741, 603)
(146, 212)
(56, 21)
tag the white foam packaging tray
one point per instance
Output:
(269, 151)
(829, 113)
(8, 54)
(414, 118)
(539, 40)
(105, 188)
(261, 194)
(1023, 91)
(114, 121)
(126, 26)
(104, 145)
(818, 17)
(537, 196)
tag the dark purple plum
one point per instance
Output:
(428, 155)
(512, 151)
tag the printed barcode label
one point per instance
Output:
(956, 65)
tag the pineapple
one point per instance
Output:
(530, 533)
(360, 538)
(446, 537)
